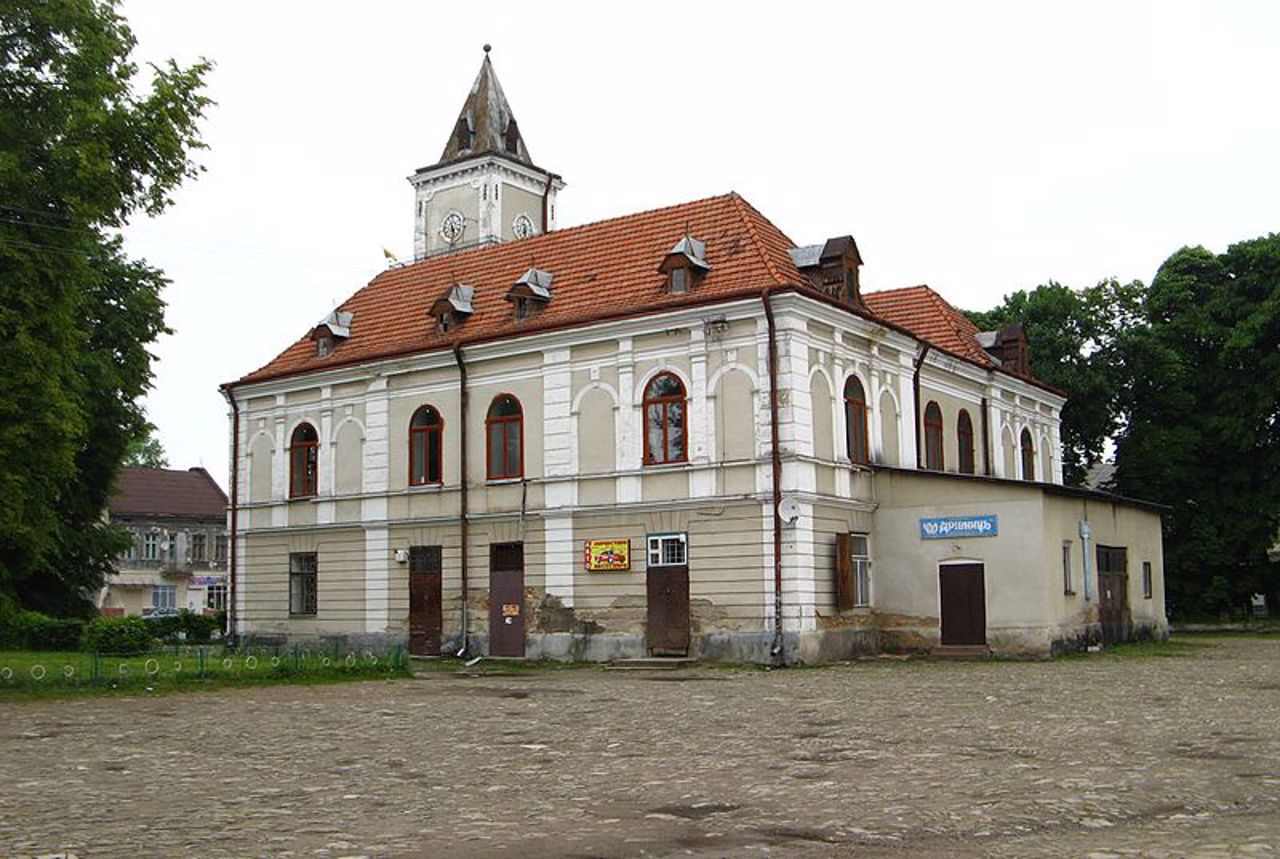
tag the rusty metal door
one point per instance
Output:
(506, 599)
(963, 603)
(426, 618)
(1113, 593)
(667, 631)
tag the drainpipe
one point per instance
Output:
(230, 631)
(915, 393)
(546, 201)
(986, 439)
(776, 463)
(462, 498)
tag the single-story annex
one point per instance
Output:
(676, 432)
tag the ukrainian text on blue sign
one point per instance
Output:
(959, 526)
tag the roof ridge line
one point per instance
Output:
(742, 207)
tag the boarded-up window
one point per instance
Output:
(820, 403)
(889, 429)
(596, 434)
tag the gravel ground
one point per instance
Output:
(1099, 757)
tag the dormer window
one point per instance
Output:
(331, 330)
(832, 267)
(463, 134)
(453, 307)
(512, 136)
(684, 264)
(531, 290)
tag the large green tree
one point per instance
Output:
(1201, 430)
(1073, 337)
(83, 148)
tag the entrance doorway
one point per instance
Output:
(506, 599)
(963, 603)
(667, 587)
(425, 603)
(1113, 593)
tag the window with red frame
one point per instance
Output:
(665, 438)
(933, 437)
(964, 440)
(504, 429)
(426, 432)
(304, 447)
(855, 421)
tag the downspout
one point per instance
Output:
(462, 497)
(915, 394)
(986, 439)
(546, 201)
(230, 631)
(776, 651)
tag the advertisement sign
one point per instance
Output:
(953, 527)
(606, 555)
(205, 581)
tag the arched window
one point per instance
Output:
(964, 440)
(1028, 456)
(855, 421)
(504, 427)
(933, 437)
(664, 421)
(304, 446)
(426, 430)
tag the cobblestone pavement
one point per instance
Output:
(1158, 757)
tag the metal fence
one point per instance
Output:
(182, 665)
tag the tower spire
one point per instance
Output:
(486, 123)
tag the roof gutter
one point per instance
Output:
(462, 494)
(777, 651)
(230, 631)
(915, 394)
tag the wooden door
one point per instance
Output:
(667, 630)
(506, 599)
(963, 601)
(1113, 593)
(426, 617)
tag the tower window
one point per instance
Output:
(513, 137)
(463, 133)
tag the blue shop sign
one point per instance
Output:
(949, 527)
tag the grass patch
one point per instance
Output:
(1172, 648)
(25, 674)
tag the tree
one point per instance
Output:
(80, 153)
(1202, 420)
(1073, 347)
(145, 451)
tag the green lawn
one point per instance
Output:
(27, 673)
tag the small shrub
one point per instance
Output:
(199, 627)
(166, 627)
(31, 630)
(128, 634)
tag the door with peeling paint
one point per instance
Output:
(1113, 593)
(667, 630)
(506, 599)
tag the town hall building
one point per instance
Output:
(671, 433)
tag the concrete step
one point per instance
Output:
(651, 663)
(961, 652)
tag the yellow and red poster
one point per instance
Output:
(607, 555)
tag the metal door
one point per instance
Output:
(667, 631)
(425, 602)
(506, 599)
(963, 602)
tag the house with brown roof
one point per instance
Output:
(676, 432)
(178, 557)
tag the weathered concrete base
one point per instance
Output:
(832, 645)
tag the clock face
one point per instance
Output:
(452, 227)
(522, 226)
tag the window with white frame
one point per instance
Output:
(164, 597)
(215, 598)
(151, 547)
(861, 570)
(198, 547)
(668, 550)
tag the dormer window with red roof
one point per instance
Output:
(684, 264)
(333, 329)
(530, 291)
(453, 307)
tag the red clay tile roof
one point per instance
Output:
(163, 492)
(927, 315)
(604, 270)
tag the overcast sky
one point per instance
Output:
(977, 147)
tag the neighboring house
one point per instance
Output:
(178, 521)
(675, 432)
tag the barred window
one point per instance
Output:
(668, 550)
(302, 584)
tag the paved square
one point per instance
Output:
(1137, 756)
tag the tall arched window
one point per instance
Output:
(665, 437)
(426, 430)
(504, 428)
(1028, 456)
(933, 437)
(855, 421)
(304, 446)
(964, 440)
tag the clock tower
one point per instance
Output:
(485, 188)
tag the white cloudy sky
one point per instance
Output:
(978, 147)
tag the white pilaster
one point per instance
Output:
(377, 569)
(376, 444)
(561, 555)
(628, 428)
